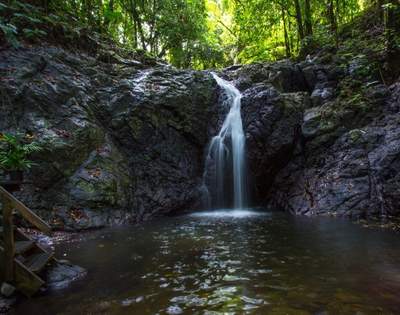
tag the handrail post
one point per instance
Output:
(9, 245)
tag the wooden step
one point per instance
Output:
(20, 235)
(36, 262)
(21, 259)
(25, 280)
(23, 246)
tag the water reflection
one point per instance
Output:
(239, 262)
(229, 213)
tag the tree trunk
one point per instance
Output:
(308, 18)
(87, 11)
(152, 32)
(107, 20)
(338, 14)
(332, 21)
(391, 24)
(135, 34)
(299, 20)
(138, 23)
(379, 5)
(290, 33)
(287, 45)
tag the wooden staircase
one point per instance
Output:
(21, 259)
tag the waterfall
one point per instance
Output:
(224, 173)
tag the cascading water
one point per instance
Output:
(224, 173)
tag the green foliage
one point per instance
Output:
(356, 135)
(20, 19)
(193, 33)
(15, 150)
(10, 32)
(29, 33)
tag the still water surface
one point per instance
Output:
(231, 263)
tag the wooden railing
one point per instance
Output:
(9, 204)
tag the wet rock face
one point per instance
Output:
(160, 121)
(310, 153)
(121, 142)
(272, 122)
(356, 176)
(285, 76)
(125, 141)
(274, 97)
(346, 163)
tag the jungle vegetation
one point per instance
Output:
(197, 33)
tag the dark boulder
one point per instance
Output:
(285, 76)
(272, 123)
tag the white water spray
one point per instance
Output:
(226, 153)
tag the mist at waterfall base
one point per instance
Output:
(224, 178)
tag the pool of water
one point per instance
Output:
(243, 262)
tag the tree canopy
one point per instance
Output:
(211, 33)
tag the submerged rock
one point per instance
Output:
(7, 289)
(252, 301)
(62, 274)
(174, 310)
(6, 304)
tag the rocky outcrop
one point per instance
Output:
(125, 141)
(160, 121)
(274, 97)
(121, 142)
(356, 175)
(318, 143)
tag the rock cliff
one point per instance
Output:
(124, 140)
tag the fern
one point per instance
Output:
(10, 32)
(14, 152)
(30, 19)
(33, 33)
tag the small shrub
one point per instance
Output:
(15, 150)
